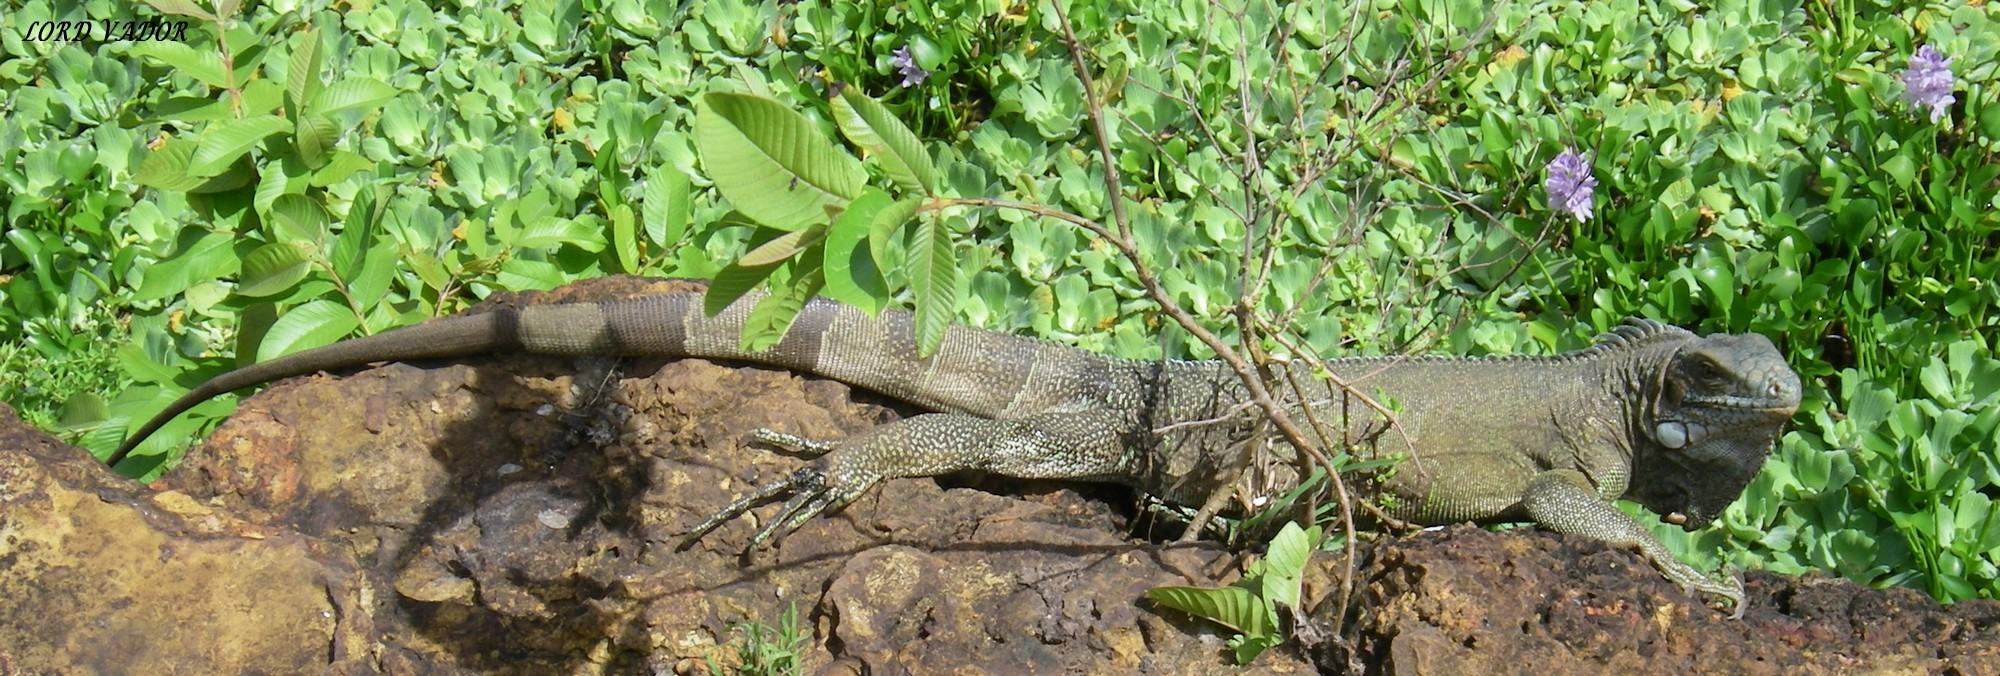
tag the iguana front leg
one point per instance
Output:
(1563, 500)
(1082, 445)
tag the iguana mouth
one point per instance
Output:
(1742, 404)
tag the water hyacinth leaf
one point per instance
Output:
(870, 125)
(273, 268)
(224, 143)
(625, 237)
(667, 206)
(770, 162)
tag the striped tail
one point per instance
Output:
(974, 371)
(993, 375)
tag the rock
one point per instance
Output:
(1467, 600)
(520, 514)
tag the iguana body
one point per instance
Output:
(1677, 422)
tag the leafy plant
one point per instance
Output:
(769, 651)
(1251, 607)
(1193, 180)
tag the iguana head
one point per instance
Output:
(1718, 404)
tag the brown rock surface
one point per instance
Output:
(519, 515)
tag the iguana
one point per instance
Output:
(1677, 422)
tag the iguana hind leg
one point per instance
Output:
(1083, 445)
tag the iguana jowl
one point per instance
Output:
(1677, 422)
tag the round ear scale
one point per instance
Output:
(1671, 434)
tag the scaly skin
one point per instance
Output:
(1678, 422)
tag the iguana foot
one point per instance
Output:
(1072, 445)
(1730, 588)
(813, 492)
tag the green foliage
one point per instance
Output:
(1250, 607)
(767, 650)
(1366, 173)
(1898, 490)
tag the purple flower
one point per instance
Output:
(907, 67)
(1570, 185)
(1927, 82)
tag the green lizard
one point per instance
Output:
(1677, 422)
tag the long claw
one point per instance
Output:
(810, 502)
(797, 481)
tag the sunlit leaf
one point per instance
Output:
(770, 162)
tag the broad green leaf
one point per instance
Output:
(869, 124)
(201, 64)
(782, 247)
(853, 276)
(261, 97)
(81, 411)
(667, 206)
(357, 232)
(166, 168)
(1233, 607)
(362, 93)
(1285, 562)
(378, 272)
(887, 222)
(1290, 549)
(546, 233)
(271, 183)
(731, 284)
(225, 142)
(273, 268)
(181, 8)
(314, 136)
(521, 273)
(770, 162)
(302, 74)
(933, 267)
(317, 323)
(207, 258)
(767, 323)
(298, 218)
(735, 280)
(339, 166)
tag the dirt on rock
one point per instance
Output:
(522, 514)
